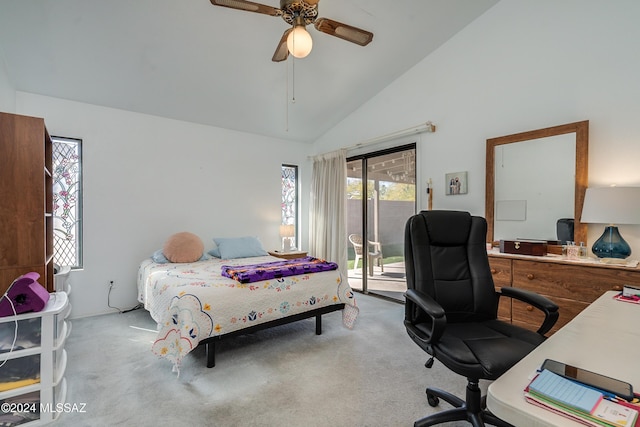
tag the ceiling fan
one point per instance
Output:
(300, 13)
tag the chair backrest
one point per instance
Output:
(356, 241)
(446, 258)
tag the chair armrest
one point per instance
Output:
(544, 304)
(432, 309)
(376, 245)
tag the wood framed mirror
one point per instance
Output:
(544, 142)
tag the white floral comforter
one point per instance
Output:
(193, 301)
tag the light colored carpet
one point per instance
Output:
(373, 375)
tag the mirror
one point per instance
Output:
(534, 178)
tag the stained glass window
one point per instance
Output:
(67, 202)
(290, 197)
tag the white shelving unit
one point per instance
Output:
(32, 383)
(61, 280)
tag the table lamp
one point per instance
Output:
(287, 232)
(611, 205)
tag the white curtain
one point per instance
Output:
(327, 222)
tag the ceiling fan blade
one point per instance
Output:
(344, 31)
(248, 6)
(282, 52)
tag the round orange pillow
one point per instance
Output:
(183, 247)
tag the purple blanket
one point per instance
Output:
(273, 270)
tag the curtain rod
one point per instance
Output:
(420, 128)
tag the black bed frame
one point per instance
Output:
(210, 343)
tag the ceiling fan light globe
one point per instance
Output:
(299, 42)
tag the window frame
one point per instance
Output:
(79, 214)
(296, 217)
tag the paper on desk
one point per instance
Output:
(565, 391)
(615, 414)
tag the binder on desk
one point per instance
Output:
(578, 402)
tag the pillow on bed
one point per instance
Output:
(159, 258)
(183, 247)
(238, 247)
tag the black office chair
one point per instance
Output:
(451, 310)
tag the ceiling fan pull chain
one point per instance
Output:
(286, 120)
(293, 79)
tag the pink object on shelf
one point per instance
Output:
(26, 294)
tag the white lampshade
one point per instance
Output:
(611, 205)
(299, 42)
(287, 231)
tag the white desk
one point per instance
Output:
(604, 338)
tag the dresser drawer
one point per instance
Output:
(501, 271)
(574, 282)
(527, 316)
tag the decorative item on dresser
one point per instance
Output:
(611, 205)
(26, 211)
(571, 285)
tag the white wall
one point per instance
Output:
(7, 92)
(146, 178)
(523, 65)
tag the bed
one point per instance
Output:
(194, 304)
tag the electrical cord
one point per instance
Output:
(15, 332)
(136, 307)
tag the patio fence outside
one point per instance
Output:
(393, 215)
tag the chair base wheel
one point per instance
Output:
(433, 400)
(472, 410)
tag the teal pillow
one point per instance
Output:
(239, 247)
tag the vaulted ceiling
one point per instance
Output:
(189, 60)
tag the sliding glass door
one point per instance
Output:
(381, 192)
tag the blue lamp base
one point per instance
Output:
(611, 244)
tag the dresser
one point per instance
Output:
(572, 285)
(32, 384)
